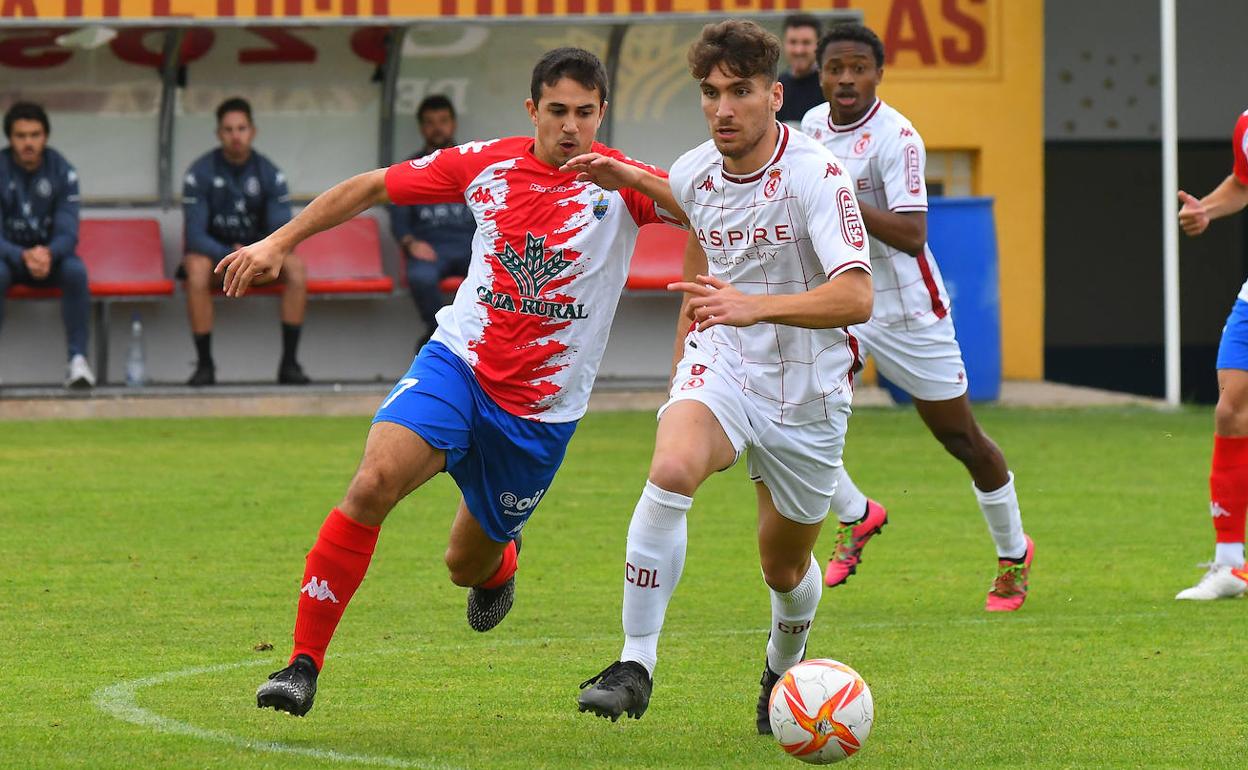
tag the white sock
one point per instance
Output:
(848, 503)
(1231, 554)
(791, 616)
(655, 559)
(1005, 521)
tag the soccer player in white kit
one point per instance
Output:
(1227, 576)
(910, 333)
(777, 266)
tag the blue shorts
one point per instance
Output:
(503, 464)
(1233, 349)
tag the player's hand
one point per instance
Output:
(607, 173)
(1193, 217)
(259, 263)
(422, 250)
(715, 302)
(38, 261)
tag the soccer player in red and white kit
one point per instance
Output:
(1227, 576)
(777, 265)
(495, 395)
(910, 333)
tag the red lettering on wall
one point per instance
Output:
(133, 45)
(975, 37)
(33, 50)
(576, 6)
(11, 8)
(606, 6)
(287, 49)
(112, 7)
(908, 14)
(369, 43)
(293, 7)
(225, 8)
(264, 7)
(381, 7)
(485, 7)
(73, 8)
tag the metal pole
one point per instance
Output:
(1170, 203)
(615, 42)
(389, 87)
(168, 96)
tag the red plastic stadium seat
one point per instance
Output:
(123, 259)
(450, 284)
(658, 258)
(346, 260)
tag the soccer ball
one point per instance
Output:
(821, 711)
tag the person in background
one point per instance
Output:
(39, 228)
(435, 239)
(801, 80)
(231, 196)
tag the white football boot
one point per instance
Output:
(1222, 581)
(78, 374)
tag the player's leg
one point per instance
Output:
(6, 281)
(691, 444)
(70, 275)
(294, 307)
(422, 282)
(199, 283)
(478, 562)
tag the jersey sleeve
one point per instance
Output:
(644, 210)
(277, 200)
(903, 162)
(1241, 149)
(64, 236)
(833, 219)
(442, 176)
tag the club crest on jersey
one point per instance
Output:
(851, 221)
(600, 205)
(862, 144)
(773, 183)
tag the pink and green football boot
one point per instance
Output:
(850, 540)
(1009, 589)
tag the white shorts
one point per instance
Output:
(926, 363)
(798, 463)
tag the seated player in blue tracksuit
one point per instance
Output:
(233, 196)
(39, 228)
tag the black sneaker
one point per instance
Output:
(620, 688)
(205, 374)
(291, 373)
(768, 683)
(291, 689)
(488, 606)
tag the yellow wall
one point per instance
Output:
(995, 105)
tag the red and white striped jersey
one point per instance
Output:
(886, 157)
(549, 260)
(1239, 145)
(785, 229)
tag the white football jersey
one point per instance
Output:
(785, 229)
(886, 158)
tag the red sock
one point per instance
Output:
(506, 569)
(1228, 488)
(334, 568)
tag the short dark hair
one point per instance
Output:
(741, 48)
(853, 32)
(234, 104)
(25, 111)
(434, 102)
(794, 20)
(576, 63)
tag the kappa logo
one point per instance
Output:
(773, 183)
(319, 590)
(707, 184)
(906, 132)
(483, 196)
(851, 221)
(832, 170)
(536, 268)
(1217, 511)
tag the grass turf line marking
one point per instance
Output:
(118, 700)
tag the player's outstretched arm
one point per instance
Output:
(843, 301)
(262, 261)
(612, 174)
(1230, 197)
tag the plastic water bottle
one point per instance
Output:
(136, 369)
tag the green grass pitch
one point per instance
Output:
(143, 562)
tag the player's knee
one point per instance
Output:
(198, 274)
(73, 274)
(294, 272)
(372, 493)
(676, 473)
(784, 574)
(962, 444)
(1230, 416)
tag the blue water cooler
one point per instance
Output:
(963, 239)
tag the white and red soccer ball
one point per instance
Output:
(821, 711)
